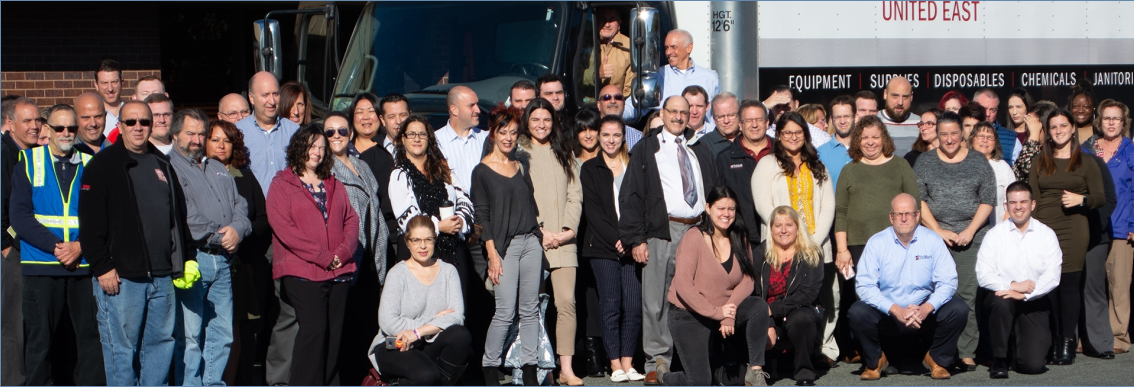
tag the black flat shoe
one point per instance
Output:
(805, 382)
(1108, 355)
(999, 369)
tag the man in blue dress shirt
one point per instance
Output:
(906, 281)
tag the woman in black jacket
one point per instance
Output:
(619, 289)
(790, 279)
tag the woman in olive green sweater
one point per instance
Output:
(862, 204)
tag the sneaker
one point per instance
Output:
(634, 376)
(620, 377)
(756, 378)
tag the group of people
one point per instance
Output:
(728, 231)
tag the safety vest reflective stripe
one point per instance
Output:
(23, 262)
(37, 158)
(50, 221)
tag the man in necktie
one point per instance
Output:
(662, 196)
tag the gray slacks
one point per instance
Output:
(657, 342)
(277, 365)
(518, 289)
(1098, 336)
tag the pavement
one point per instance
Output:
(1086, 371)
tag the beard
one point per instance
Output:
(898, 118)
(66, 145)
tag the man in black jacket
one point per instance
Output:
(662, 196)
(24, 134)
(135, 258)
(736, 163)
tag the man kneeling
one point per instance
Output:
(1020, 261)
(907, 265)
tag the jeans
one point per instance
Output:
(137, 325)
(205, 313)
(693, 334)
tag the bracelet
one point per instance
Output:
(416, 334)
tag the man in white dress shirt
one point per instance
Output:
(1020, 261)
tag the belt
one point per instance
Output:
(688, 221)
(221, 252)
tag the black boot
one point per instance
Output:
(1064, 352)
(491, 376)
(450, 373)
(531, 375)
(592, 350)
(999, 369)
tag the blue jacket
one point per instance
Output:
(41, 214)
(1121, 167)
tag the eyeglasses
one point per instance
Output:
(342, 132)
(1112, 119)
(927, 124)
(166, 115)
(797, 133)
(750, 121)
(143, 122)
(413, 135)
(984, 137)
(419, 241)
(242, 114)
(675, 111)
(903, 215)
(608, 97)
(58, 129)
(730, 116)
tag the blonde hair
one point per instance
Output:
(804, 247)
(811, 112)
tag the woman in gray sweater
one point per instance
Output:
(421, 313)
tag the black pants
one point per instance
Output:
(1065, 303)
(945, 325)
(319, 307)
(422, 364)
(360, 320)
(801, 326)
(1029, 319)
(692, 333)
(847, 297)
(12, 320)
(46, 301)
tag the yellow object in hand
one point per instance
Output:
(189, 276)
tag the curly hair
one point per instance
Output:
(301, 141)
(807, 153)
(855, 150)
(435, 164)
(239, 157)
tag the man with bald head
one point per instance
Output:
(233, 108)
(681, 72)
(906, 279)
(266, 134)
(135, 280)
(460, 140)
(662, 197)
(92, 117)
(897, 116)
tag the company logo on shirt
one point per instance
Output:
(160, 175)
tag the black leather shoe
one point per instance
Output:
(1108, 355)
(593, 356)
(1064, 352)
(999, 369)
(805, 382)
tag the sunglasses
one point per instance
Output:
(342, 132)
(608, 97)
(132, 122)
(57, 129)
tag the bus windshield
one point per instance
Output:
(422, 49)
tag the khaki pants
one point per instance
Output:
(1118, 271)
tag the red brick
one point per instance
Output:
(129, 75)
(53, 75)
(44, 84)
(62, 84)
(45, 101)
(34, 75)
(72, 92)
(88, 75)
(72, 75)
(53, 93)
(15, 92)
(8, 85)
(14, 76)
(34, 93)
(25, 85)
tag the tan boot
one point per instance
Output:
(876, 372)
(936, 371)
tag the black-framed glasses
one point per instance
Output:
(58, 129)
(608, 97)
(413, 135)
(345, 132)
(132, 122)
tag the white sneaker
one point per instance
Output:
(619, 376)
(634, 376)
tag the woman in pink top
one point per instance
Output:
(711, 292)
(315, 233)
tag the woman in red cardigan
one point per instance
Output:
(315, 235)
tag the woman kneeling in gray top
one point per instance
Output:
(421, 340)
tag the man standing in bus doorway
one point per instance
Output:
(898, 95)
(614, 49)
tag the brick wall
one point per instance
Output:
(51, 87)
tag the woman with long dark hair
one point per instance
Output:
(315, 237)
(558, 197)
(711, 292)
(1037, 115)
(927, 136)
(1068, 184)
(1019, 102)
(422, 184)
(363, 113)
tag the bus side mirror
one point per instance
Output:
(645, 56)
(268, 55)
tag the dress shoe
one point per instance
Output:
(570, 380)
(876, 372)
(619, 376)
(651, 379)
(825, 361)
(936, 371)
(1064, 352)
(592, 355)
(1108, 355)
(965, 366)
(999, 369)
(805, 382)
